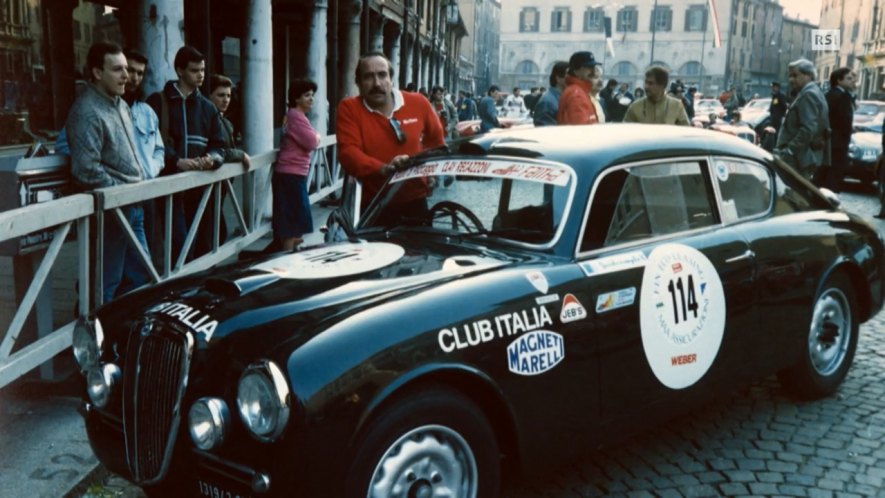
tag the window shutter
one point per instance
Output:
(522, 20)
(569, 21)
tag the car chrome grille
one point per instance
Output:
(154, 385)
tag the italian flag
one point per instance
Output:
(717, 36)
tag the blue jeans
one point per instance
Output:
(123, 269)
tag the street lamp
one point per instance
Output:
(452, 13)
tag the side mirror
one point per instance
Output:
(831, 197)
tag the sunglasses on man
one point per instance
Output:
(397, 130)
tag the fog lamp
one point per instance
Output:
(208, 422)
(100, 383)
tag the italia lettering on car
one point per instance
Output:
(535, 352)
(197, 320)
(488, 329)
(682, 313)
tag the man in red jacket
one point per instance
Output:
(575, 106)
(382, 127)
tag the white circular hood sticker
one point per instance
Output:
(334, 261)
(682, 314)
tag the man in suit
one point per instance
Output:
(778, 106)
(840, 100)
(803, 137)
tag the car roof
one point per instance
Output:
(594, 147)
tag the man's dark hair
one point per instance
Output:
(135, 55)
(492, 89)
(838, 75)
(559, 69)
(359, 65)
(298, 88)
(515, 89)
(611, 83)
(411, 87)
(186, 55)
(437, 88)
(659, 74)
(217, 80)
(95, 56)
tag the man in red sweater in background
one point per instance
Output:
(575, 106)
(379, 130)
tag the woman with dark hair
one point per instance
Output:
(291, 206)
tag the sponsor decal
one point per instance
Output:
(618, 262)
(197, 320)
(722, 172)
(486, 330)
(549, 298)
(681, 314)
(334, 261)
(543, 173)
(614, 300)
(572, 310)
(535, 353)
(538, 281)
(410, 121)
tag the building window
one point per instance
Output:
(528, 20)
(593, 20)
(527, 67)
(690, 69)
(696, 18)
(561, 20)
(661, 19)
(855, 30)
(744, 29)
(624, 69)
(627, 19)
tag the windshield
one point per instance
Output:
(521, 201)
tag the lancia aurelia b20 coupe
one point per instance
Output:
(562, 284)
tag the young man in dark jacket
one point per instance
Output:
(194, 140)
(840, 100)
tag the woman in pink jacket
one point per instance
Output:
(291, 206)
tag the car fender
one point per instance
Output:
(858, 281)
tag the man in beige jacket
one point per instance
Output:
(657, 107)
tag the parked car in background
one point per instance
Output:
(471, 127)
(869, 112)
(557, 291)
(863, 153)
(703, 107)
(755, 111)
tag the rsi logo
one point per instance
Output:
(825, 39)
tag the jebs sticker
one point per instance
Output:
(681, 313)
(572, 310)
(535, 352)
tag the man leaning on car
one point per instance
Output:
(803, 137)
(380, 129)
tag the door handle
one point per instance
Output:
(748, 254)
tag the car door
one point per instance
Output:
(671, 285)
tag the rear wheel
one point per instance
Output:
(433, 443)
(829, 345)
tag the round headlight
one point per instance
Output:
(207, 422)
(86, 344)
(263, 400)
(100, 382)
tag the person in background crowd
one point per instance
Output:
(220, 87)
(444, 108)
(621, 100)
(575, 105)
(688, 102)
(778, 106)
(423, 91)
(488, 110)
(192, 132)
(531, 100)
(380, 129)
(548, 105)
(291, 205)
(606, 96)
(598, 85)
(802, 139)
(657, 107)
(102, 139)
(411, 87)
(148, 140)
(840, 102)
(638, 93)
(514, 105)
(466, 106)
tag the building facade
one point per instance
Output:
(795, 44)
(858, 24)
(756, 35)
(676, 34)
(479, 49)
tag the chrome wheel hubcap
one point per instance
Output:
(429, 461)
(830, 331)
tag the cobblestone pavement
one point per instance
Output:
(754, 441)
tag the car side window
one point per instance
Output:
(647, 201)
(745, 189)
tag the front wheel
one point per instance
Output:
(433, 443)
(830, 344)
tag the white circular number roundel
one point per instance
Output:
(334, 261)
(682, 314)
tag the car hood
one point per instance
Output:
(867, 139)
(317, 283)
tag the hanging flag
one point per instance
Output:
(717, 37)
(607, 24)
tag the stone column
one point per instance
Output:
(61, 57)
(160, 33)
(350, 47)
(317, 51)
(377, 40)
(256, 49)
(394, 54)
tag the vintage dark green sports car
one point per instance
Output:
(554, 287)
